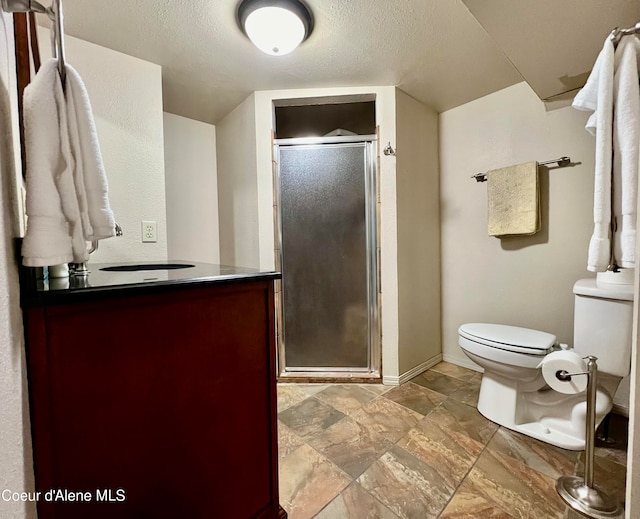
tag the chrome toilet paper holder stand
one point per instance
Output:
(582, 494)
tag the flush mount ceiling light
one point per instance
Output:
(275, 26)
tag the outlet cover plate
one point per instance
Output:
(149, 231)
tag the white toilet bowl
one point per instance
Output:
(513, 392)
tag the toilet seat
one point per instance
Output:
(492, 355)
(509, 338)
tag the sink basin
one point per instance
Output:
(147, 266)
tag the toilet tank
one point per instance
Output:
(602, 323)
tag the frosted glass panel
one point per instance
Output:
(324, 255)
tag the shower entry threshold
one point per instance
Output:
(322, 376)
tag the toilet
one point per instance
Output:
(513, 392)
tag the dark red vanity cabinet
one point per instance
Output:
(159, 404)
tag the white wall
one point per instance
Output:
(524, 281)
(418, 206)
(191, 189)
(237, 187)
(126, 97)
(16, 464)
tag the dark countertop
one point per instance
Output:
(100, 283)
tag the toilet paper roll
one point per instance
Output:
(570, 362)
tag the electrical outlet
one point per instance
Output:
(149, 234)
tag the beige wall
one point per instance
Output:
(418, 206)
(237, 187)
(126, 97)
(191, 189)
(524, 281)
(16, 466)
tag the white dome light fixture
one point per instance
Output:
(276, 27)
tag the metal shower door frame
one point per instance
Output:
(370, 170)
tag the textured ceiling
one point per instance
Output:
(556, 48)
(435, 50)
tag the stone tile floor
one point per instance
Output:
(421, 450)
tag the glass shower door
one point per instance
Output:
(326, 208)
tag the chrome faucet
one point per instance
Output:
(81, 269)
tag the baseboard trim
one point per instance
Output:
(405, 377)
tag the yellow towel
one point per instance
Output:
(513, 200)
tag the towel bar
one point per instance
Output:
(617, 33)
(54, 13)
(562, 162)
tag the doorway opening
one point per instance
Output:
(326, 193)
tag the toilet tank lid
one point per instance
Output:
(593, 288)
(509, 335)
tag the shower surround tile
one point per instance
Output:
(409, 487)
(309, 417)
(346, 398)
(308, 481)
(350, 445)
(356, 503)
(415, 397)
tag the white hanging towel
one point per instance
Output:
(626, 133)
(597, 97)
(47, 240)
(67, 202)
(89, 175)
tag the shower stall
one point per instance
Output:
(326, 198)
